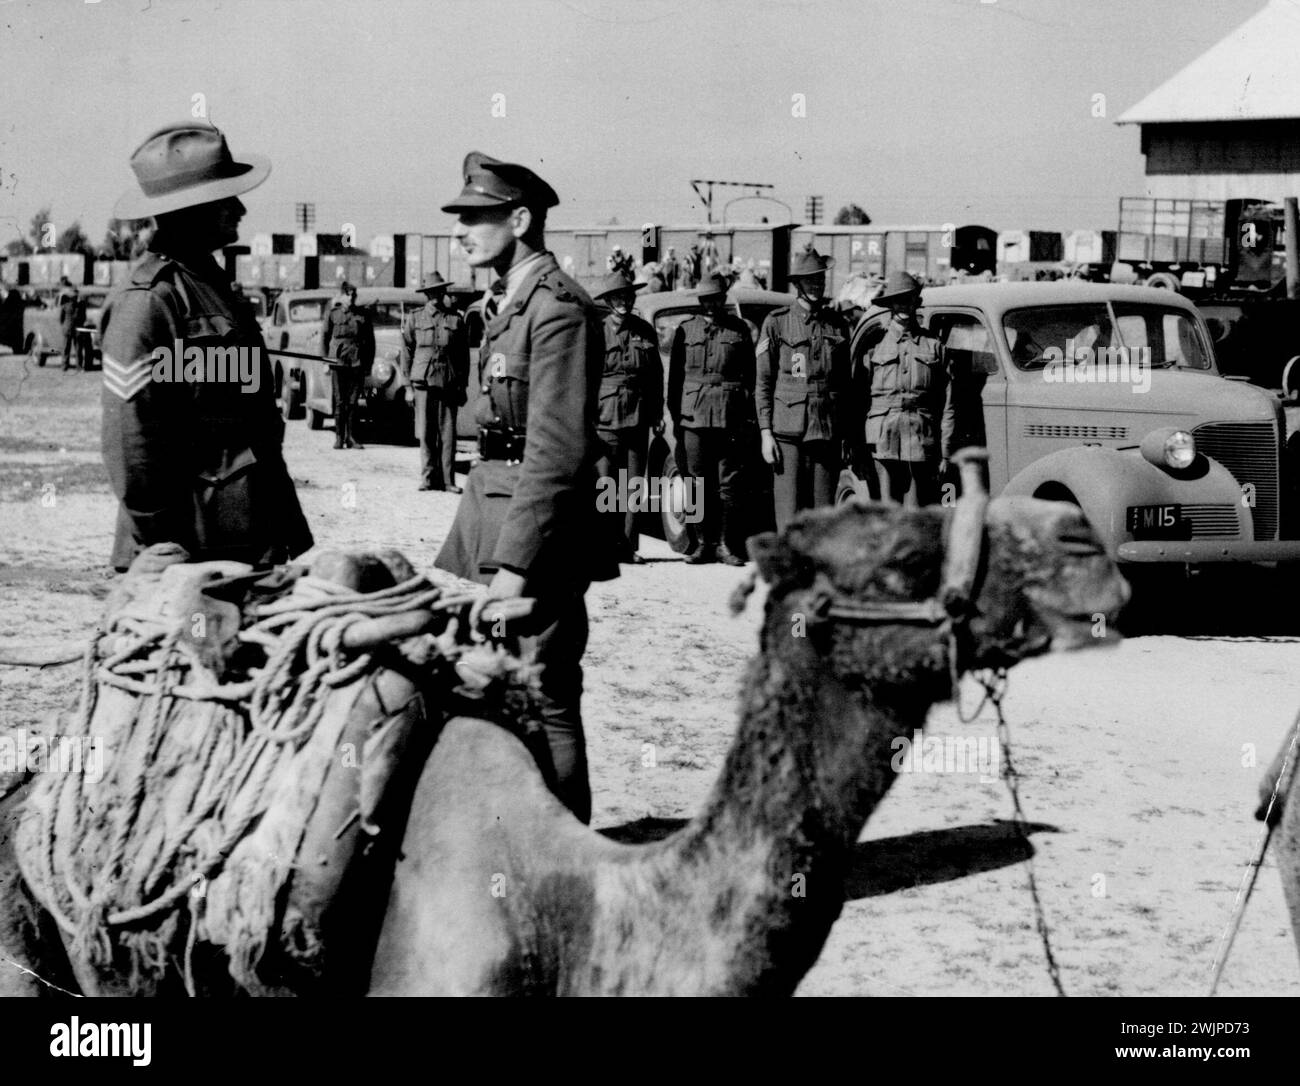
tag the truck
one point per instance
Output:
(1201, 247)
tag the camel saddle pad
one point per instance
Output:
(261, 737)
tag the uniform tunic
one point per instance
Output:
(909, 384)
(631, 402)
(435, 360)
(197, 463)
(801, 392)
(711, 401)
(540, 371)
(348, 337)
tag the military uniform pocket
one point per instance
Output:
(789, 412)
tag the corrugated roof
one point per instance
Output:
(1250, 75)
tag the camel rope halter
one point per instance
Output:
(950, 612)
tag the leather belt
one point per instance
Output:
(709, 380)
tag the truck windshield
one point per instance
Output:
(1169, 337)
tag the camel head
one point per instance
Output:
(887, 595)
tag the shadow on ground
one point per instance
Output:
(895, 863)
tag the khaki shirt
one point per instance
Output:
(711, 374)
(632, 385)
(435, 350)
(909, 384)
(803, 373)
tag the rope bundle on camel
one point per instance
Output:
(254, 728)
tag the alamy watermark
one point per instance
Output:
(29, 752)
(1109, 365)
(922, 753)
(626, 493)
(179, 364)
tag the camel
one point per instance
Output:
(499, 890)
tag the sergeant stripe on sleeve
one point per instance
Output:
(127, 380)
(762, 346)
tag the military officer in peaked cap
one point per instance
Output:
(528, 524)
(631, 399)
(801, 392)
(711, 403)
(908, 385)
(197, 463)
(435, 361)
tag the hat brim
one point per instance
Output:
(631, 288)
(433, 289)
(885, 299)
(134, 204)
(475, 201)
(809, 274)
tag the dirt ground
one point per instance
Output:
(1138, 764)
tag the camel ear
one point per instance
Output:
(775, 560)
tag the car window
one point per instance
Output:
(1031, 333)
(667, 323)
(1170, 335)
(967, 342)
(308, 309)
(387, 314)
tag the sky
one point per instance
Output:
(920, 111)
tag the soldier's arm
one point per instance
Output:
(654, 391)
(407, 351)
(147, 424)
(948, 425)
(326, 333)
(764, 376)
(676, 375)
(566, 352)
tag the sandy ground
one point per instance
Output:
(1138, 764)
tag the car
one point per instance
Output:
(1175, 465)
(43, 331)
(665, 311)
(386, 401)
(294, 324)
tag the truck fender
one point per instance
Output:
(1104, 482)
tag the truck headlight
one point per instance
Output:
(1169, 448)
(382, 372)
(1180, 450)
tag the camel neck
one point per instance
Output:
(810, 761)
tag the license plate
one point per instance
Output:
(1157, 522)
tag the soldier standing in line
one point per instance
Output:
(711, 403)
(801, 392)
(199, 464)
(435, 362)
(72, 315)
(528, 523)
(631, 396)
(908, 384)
(348, 339)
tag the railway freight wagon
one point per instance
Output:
(931, 253)
(584, 251)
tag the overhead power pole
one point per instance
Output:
(706, 195)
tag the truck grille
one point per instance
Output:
(1249, 450)
(1212, 521)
